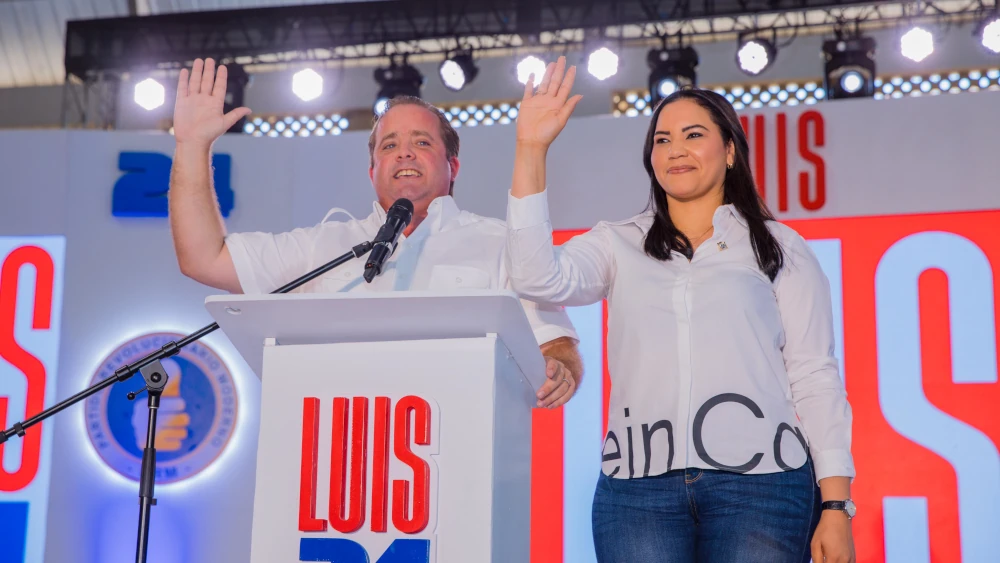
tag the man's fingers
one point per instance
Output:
(557, 387)
(557, 391)
(208, 77)
(219, 91)
(561, 400)
(546, 388)
(544, 391)
(235, 115)
(194, 85)
(562, 393)
(182, 83)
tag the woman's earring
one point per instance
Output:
(729, 166)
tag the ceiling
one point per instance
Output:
(32, 31)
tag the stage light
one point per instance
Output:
(849, 67)
(530, 65)
(602, 63)
(852, 81)
(458, 71)
(670, 70)
(396, 80)
(307, 84)
(991, 34)
(755, 54)
(150, 94)
(917, 44)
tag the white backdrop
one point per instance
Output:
(913, 155)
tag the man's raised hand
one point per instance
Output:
(198, 110)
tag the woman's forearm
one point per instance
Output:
(835, 488)
(529, 169)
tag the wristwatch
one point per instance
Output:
(846, 506)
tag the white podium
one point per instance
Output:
(394, 427)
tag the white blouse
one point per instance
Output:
(712, 365)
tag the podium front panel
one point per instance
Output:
(418, 420)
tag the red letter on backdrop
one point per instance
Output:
(760, 150)
(812, 203)
(29, 365)
(782, 162)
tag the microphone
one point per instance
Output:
(396, 220)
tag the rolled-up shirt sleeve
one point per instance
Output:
(804, 303)
(576, 273)
(266, 261)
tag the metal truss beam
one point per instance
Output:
(347, 30)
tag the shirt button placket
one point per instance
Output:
(681, 301)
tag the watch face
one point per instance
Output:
(850, 507)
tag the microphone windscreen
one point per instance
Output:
(404, 204)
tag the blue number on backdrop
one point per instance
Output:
(142, 190)
(347, 551)
(13, 541)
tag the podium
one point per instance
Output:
(394, 427)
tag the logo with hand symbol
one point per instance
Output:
(195, 420)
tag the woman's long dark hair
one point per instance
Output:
(739, 188)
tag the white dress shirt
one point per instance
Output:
(712, 365)
(450, 249)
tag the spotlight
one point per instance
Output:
(670, 70)
(602, 63)
(307, 84)
(530, 65)
(150, 94)
(755, 54)
(917, 44)
(991, 33)
(458, 70)
(397, 80)
(849, 68)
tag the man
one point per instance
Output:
(414, 154)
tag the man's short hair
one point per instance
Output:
(448, 133)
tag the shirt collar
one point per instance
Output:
(729, 210)
(723, 212)
(440, 212)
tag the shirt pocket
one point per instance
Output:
(459, 277)
(338, 280)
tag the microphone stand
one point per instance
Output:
(155, 378)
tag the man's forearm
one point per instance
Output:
(195, 222)
(564, 349)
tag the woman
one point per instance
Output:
(726, 405)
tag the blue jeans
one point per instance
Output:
(706, 516)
